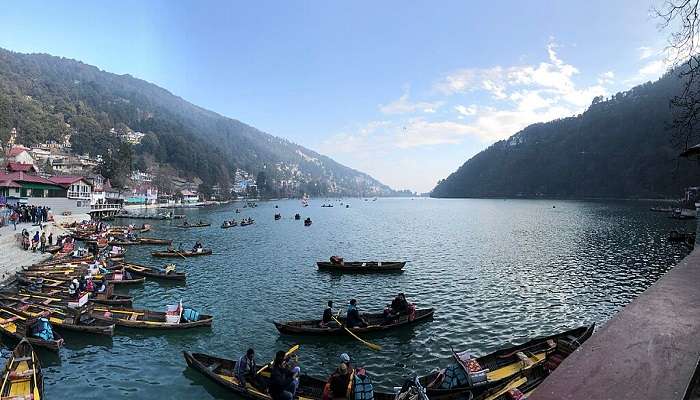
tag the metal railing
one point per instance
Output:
(105, 207)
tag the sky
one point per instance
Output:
(404, 91)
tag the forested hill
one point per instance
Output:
(621, 147)
(47, 97)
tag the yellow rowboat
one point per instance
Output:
(22, 377)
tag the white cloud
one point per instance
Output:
(466, 111)
(606, 78)
(419, 132)
(551, 80)
(404, 106)
(489, 104)
(645, 52)
(653, 68)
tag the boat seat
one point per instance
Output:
(133, 317)
(19, 359)
(20, 376)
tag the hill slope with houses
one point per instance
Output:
(118, 124)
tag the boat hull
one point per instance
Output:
(311, 327)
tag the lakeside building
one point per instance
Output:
(142, 194)
(189, 197)
(19, 187)
(77, 187)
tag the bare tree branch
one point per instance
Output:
(681, 18)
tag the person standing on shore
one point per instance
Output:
(51, 239)
(13, 217)
(43, 242)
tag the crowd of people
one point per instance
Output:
(23, 213)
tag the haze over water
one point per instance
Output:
(497, 272)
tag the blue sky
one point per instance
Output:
(405, 91)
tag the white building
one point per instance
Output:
(189, 196)
(77, 187)
(20, 155)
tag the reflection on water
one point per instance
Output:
(497, 271)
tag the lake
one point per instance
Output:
(497, 271)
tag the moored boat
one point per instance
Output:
(37, 331)
(522, 384)
(221, 371)
(60, 296)
(361, 266)
(376, 322)
(479, 374)
(174, 318)
(150, 240)
(61, 318)
(22, 377)
(62, 278)
(175, 254)
(202, 225)
(155, 273)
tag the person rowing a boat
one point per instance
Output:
(327, 320)
(284, 379)
(353, 318)
(185, 223)
(246, 368)
(197, 247)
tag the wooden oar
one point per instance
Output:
(289, 352)
(179, 254)
(366, 343)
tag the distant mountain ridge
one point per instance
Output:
(618, 148)
(47, 97)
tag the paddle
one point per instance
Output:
(289, 352)
(180, 254)
(366, 343)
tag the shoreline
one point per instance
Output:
(13, 257)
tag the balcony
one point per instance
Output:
(75, 195)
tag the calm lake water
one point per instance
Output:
(497, 271)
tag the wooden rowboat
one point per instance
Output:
(57, 279)
(152, 273)
(220, 370)
(60, 296)
(140, 241)
(149, 240)
(176, 254)
(193, 225)
(59, 317)
(22, 377)
(362, 266)
(505, 364)
(146, 319)
(375, 323)
(18, 326)
(525, 382)
(53, 249)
